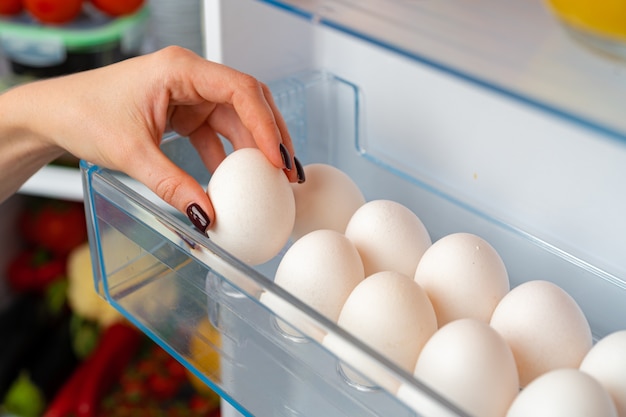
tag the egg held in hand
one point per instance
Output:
(320, 269)
(464, 277)
(254, 206)
(393, 315)
(545, 328)
(327, 200)
(388, 236)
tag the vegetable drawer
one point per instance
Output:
(168, 279)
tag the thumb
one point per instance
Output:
(174, 186)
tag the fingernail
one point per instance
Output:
(299, 170)
(198, 217)
(286, 157)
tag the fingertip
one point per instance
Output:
(198, 217)
(296, 174)
(286, 157)
(300, 174)
(199, 210)
(177, 188)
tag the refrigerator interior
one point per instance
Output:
(470, 139)
(463, 115)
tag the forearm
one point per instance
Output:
(22, 151)
(115, 117)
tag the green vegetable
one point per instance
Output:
(24, 399)
(85, 335)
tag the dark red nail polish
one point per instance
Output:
(198, 217)
(299, 170)
(286, 157)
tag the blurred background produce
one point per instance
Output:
(65, 351)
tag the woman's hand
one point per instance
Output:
(115, 117)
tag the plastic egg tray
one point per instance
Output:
(164, 276)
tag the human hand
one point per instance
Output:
(115, 117)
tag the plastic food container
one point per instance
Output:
(164, 276)
(89, 41)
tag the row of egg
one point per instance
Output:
(443, 311)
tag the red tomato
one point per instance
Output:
(10, 7)
(34, 270)
(54, 11)
(175, 369)
(201, 405)
(118, 7)
(57, 225)
(162, 386)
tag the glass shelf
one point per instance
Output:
(516, 48)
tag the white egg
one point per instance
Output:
(545, 328)
(470, 364)
(563, 393)
(321, 269)
(606, 362)
(254, 206)
(464, 277)
(393, 315)
(389, 237)
(326, 200)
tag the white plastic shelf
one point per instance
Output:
(55, 182)
(516, 48)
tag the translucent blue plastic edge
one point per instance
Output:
(555, 111)
(88, 171)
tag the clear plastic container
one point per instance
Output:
(91, 40)
(165, 277)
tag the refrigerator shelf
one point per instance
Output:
(164, 276)
(55, 182)
(518, 49)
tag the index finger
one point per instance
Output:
(252, 102)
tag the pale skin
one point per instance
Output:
(115, 117)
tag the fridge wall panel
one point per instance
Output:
(547, 181)
(258, 39)
(518, 48)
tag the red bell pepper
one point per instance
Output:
(83, 392)
(34, 269)
(56, 225)
(118, 345)
(64, 403)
